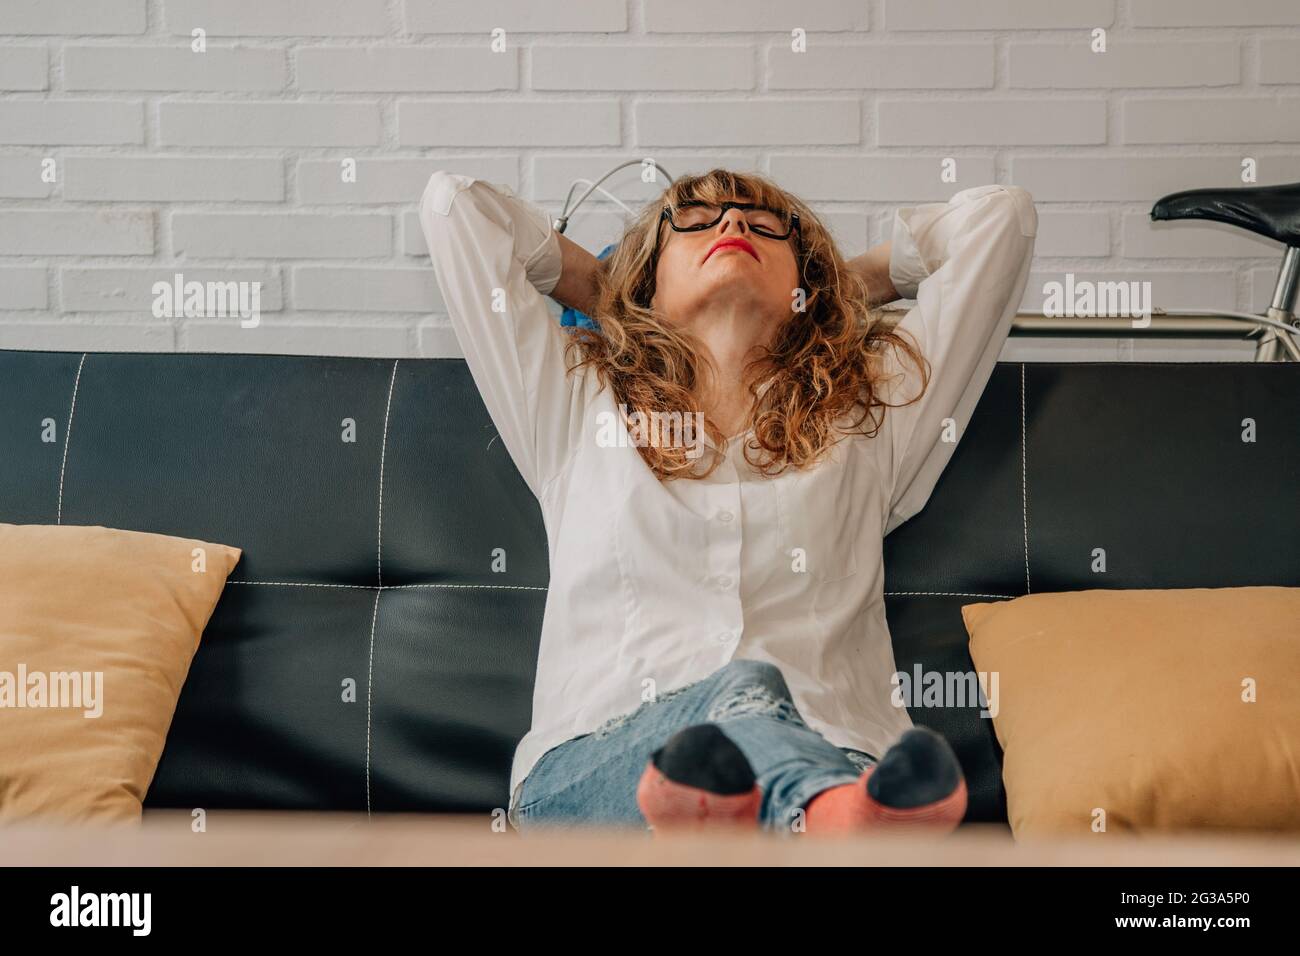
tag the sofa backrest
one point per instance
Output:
(368, 562)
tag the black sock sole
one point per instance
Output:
(703, 756)
(921, 768)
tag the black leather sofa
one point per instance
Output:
(369, 561)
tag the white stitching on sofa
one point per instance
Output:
(306, 584)
(946, 594)
(67, 436)
(379, 570)
(1024, 478)
(370, 683)
(383, 448)
(494, 587)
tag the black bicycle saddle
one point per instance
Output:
(1272, 211)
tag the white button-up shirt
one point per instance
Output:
(655, 585)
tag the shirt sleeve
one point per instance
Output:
(495, 257)
(966, 263)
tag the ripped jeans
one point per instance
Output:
(592, 778)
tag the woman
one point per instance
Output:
(714, 648)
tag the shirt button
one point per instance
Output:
(725, 516)
(725, 637)
(724, 582)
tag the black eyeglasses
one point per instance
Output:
(695, 216)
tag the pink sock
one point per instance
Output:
(669, 805)
(849, 808)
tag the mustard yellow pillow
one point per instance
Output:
(97, 631)
(1142, 710)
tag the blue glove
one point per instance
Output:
(573, 316)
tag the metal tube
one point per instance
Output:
(1288, 282)
(1175, 322)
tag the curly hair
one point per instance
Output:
(823, 366)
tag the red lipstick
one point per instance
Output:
(732, 241)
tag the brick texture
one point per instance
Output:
(291, 149)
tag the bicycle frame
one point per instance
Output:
(1282, 308)
(1276, 343)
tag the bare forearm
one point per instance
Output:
(577, 286)
(873, 266)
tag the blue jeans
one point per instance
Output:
(592, 778)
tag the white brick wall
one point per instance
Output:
(225, 165)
